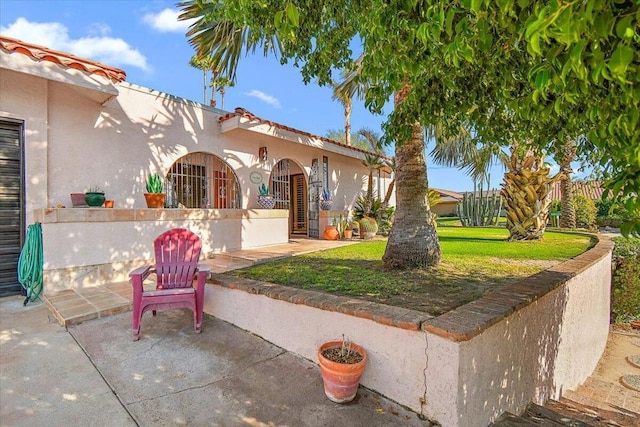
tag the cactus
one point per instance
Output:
(263, 189)
(154, 183)
(481, 210)
(368, 225)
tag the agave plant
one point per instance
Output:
(154, 184)
(526, 192)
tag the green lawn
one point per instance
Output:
(475, 261)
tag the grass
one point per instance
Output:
(475, 261)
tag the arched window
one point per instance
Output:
(202, 180)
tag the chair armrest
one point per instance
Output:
(143, 271)
(137, 278)
(203, 268)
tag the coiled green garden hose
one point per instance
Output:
(30, 263)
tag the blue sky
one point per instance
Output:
(145, 39)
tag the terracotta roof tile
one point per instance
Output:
(241, 112)
(41, 53)
(590, 189)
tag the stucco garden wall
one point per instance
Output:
(91, 247)
(525, 342)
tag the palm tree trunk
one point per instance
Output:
(222, 92)
(387, 195)
(413, 241)
(567, 211)
(213, 88)
(370, 185)
(526, 190)
(204, 81)
(347, 122)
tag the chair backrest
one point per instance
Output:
(177, 254)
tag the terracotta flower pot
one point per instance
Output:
(341, 380)
(348, 234)
(331, 233)
(154, 200)
(108, 204)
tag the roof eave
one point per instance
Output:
(237, 122)
(97, 87)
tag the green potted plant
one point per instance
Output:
(341, 365)
(368, 227)
(94, 197)
(265, 199)
(155, 191)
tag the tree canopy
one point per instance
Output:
(525, 71)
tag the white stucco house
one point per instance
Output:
(68, 124)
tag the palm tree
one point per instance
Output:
(565, 154)
(223, 41)
(345, 91)
(373, 161)
(204, 63)
(463, 152)
(413, 241)
(222, 82)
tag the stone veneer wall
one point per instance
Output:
(525, 342)
(85, 247)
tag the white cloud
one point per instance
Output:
(271, 100)
(108, 50)
(166, 21)
(99, 29)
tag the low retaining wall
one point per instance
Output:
(525, 342)
(87, 247)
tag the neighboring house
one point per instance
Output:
(67, 124)
(590, 189)
(448, 202)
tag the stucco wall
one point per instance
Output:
(526, 342)
(397, 357)
(25, 98)
(90, 247)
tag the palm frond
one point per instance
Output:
(212, 35)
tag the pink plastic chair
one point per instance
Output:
(177, 252)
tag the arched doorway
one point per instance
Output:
(288, 186)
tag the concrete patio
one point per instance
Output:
(93, 374)
(226, 376)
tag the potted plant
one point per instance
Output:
(94, 197)
(155, 191)
(341, 365)
(265, 200)
(331, 232)
(325, 201)
(368, 227)
(78, 200)
(355, 226)
(345, 229)
(348, 230)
